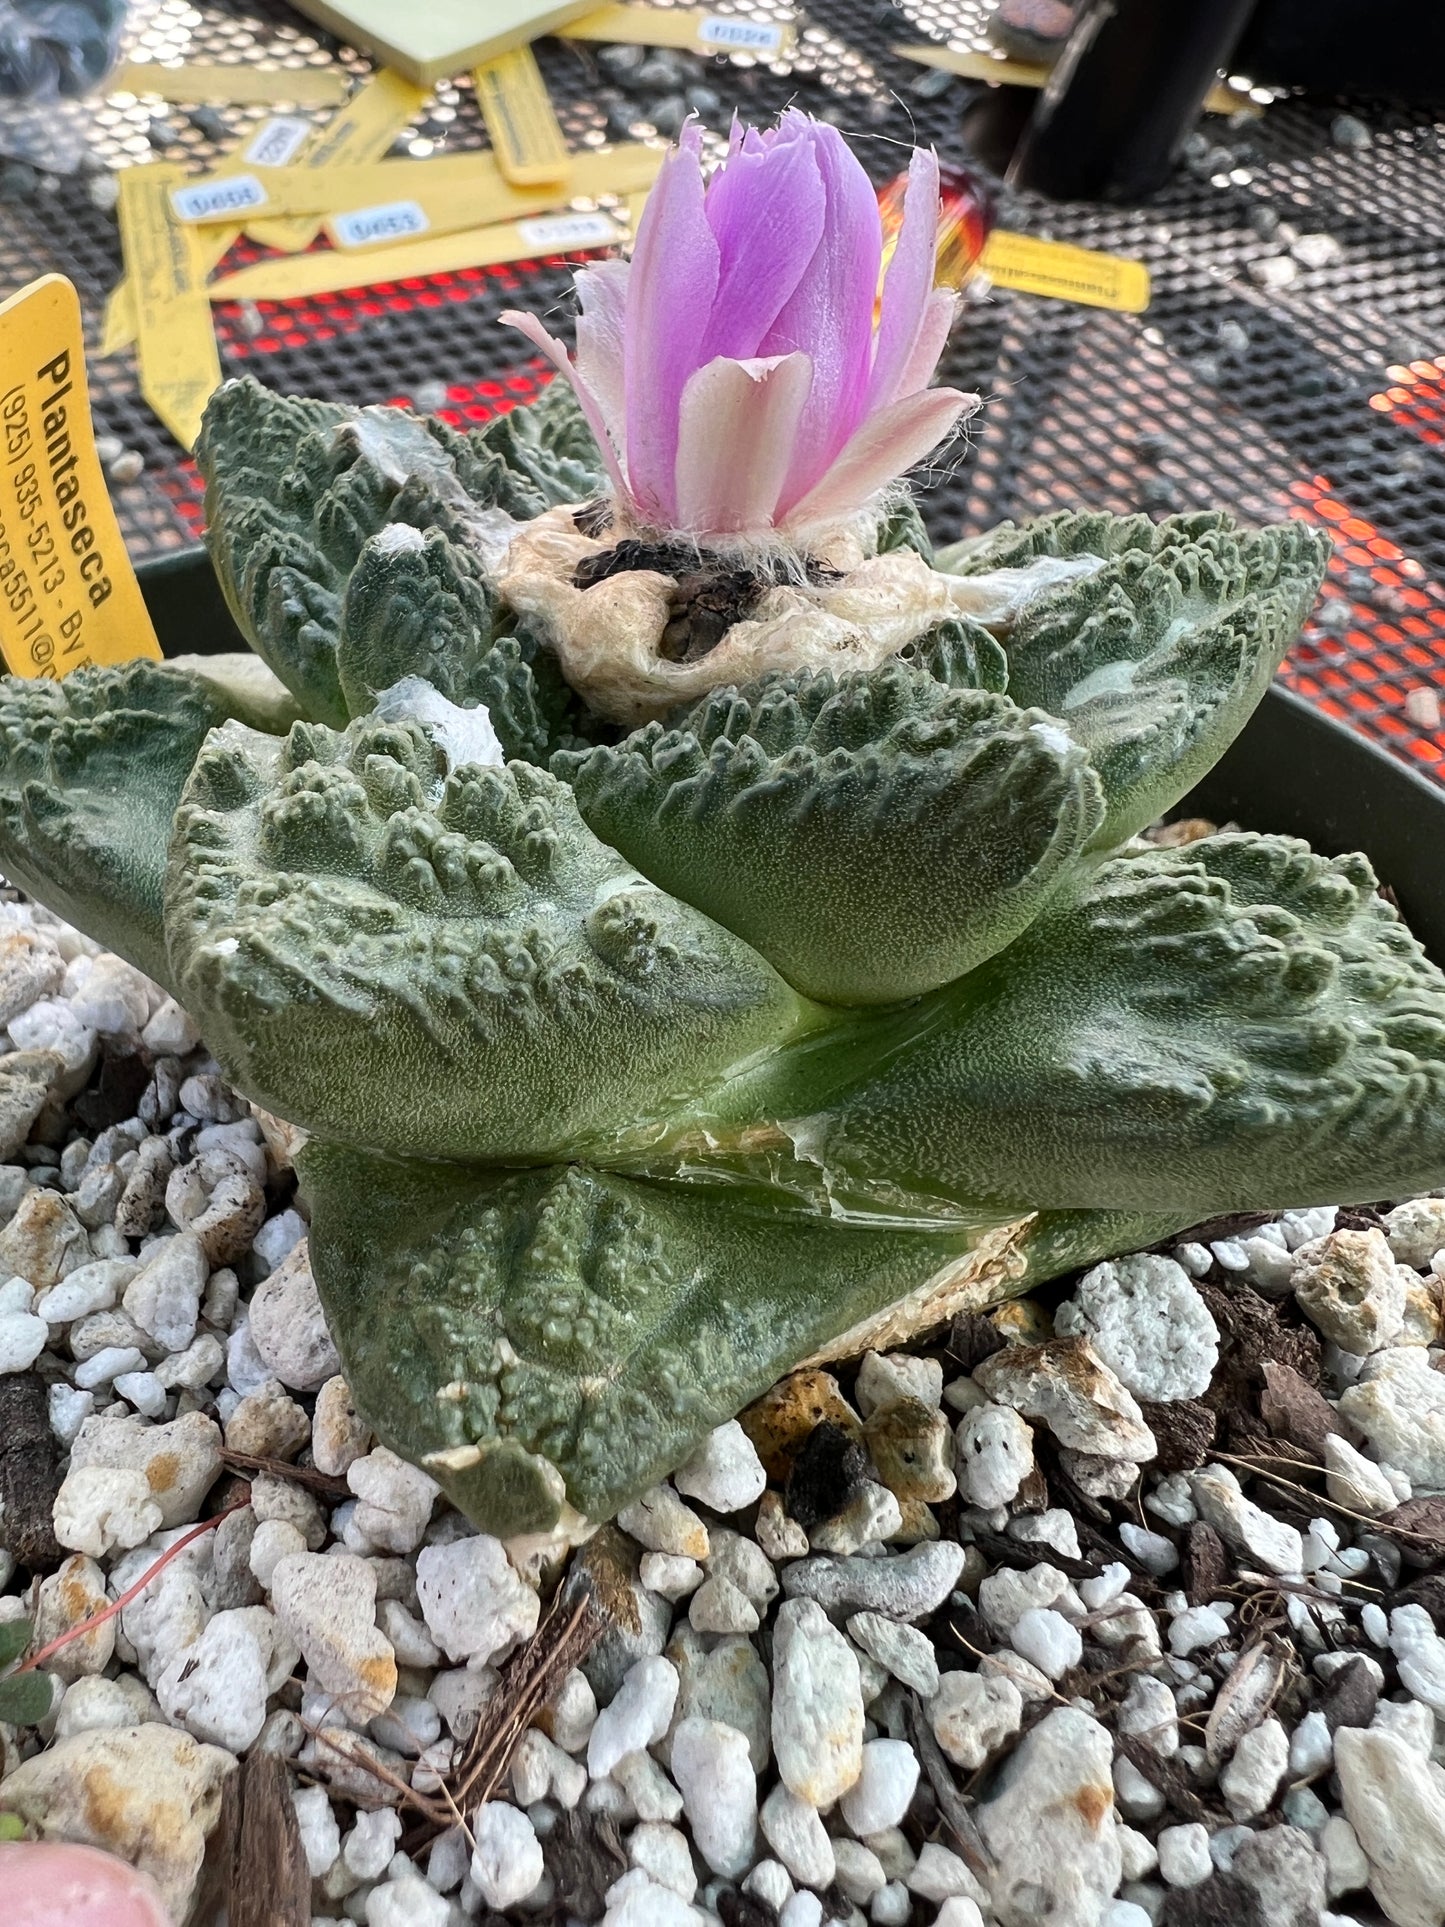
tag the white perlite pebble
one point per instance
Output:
(995, 1454)
(719, 1607)
(660, 1521)
(1252, 1777)
(880, 1796)
(1148, 1713)
(316, 1822)
(885, 1377)
(110, 1362)
(1047, 1640)
(1350, 1286)
(902, 1650)
(1051, 1826)
(770, 1882)
(817, 1704)
(275, 1540)
(101, 1507)
(1054, 1529)
(636, 1900)
(1347, 1867)
(1272, 1544)
(959, 1911)
(1004, 1596)
(216, 1689)
(170, 1032)
(973, 1714)
(798, 1837)
(23, 1338)
(1416, 1231)
(475, 1605)
(639, 1714)
(395, 1500)
(670, 1575)
(69, 1409)
(1147, 1322)
(1154, 1552)
(859, 1871)
(714, 1774)
(1419, 1655)
(664, 1855)
(1184, 1855)
(164, 1297)
(1399, 1405)
(725, 1472)
(1393, 1800)
(143, 1390)
(507, 1855)
(1311, 1747)
(406, 1901)
(288, 1327)
(327, 1604)
(939, 1874)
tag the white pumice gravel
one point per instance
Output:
(777, 1726)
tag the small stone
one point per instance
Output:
(670, 1576)
(1416, 1231)
(639, 1901)
(101, 1507)
(327, 1604)
(1154, 1552)
(1048, 1641)
(1051, 1826)
(44, 1240)
(164, 1297)
(1419, 1656)
(652, 1794)
(870, 1516)
(660, 1521)
(170, 1032)
(507, 1861)
(23, 1338)
(718, 1606)
(1135, 1793)
(143, 1390)
(912, 1447)
(1148, 1713)
(70, 1596)
(782, 1421)
(69, 1410)
(779, 1536)
(288, 1327)
(1195, 1628)
(902, 1650)
(909, 1586)
(1184, 1855)
(939, 1874)
(1347, 1869)
(1350, 1286)
(798, 1837)
(1399, 1406)
(664, 1854)
(1068, 1388)
(1353, 1480)
(1145, 1320)
(1004, 1596)
(1250, 1780)
(724, 1473)
(268, 1424)
(396, 1501)
(1274, 271)
(100, 1367)
(972, 1715)
(1282, 1874)
(1346, 131)
(217, 1688)
(1275, 1546)
(881, 1795)
(1055, 1530)
(884, 1378)
(475, 1605)
(830, 1470)
(714, 1773)
(637, 1716)
(1097, 1478)
(817, 1721)
(995, 1455)
(338, 1437)
(274, 1540)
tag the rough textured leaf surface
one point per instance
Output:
(444, 962)
(874, 835)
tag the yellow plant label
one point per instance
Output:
(176, 345)
(241, 86)
(363, 130)
(517, 108)
(1030, 266)
(694, 27)
(68, 593)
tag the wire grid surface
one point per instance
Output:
(1323, 399)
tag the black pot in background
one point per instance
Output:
(1292, 769)
(1394, 49)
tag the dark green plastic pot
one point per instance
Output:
(1292, 769)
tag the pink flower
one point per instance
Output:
(732, 373)
(48, 1884)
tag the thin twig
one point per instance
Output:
(1376, 1522)
(324, 1482)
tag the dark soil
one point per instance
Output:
(708, 596)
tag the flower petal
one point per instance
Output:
(908, 281)
(766, 207)
(886, 446)
(938, 312)
(670, 294)
(735, 439)
(556, 353)
(602, 290)
(830, 316)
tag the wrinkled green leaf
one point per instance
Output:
(873, 835)
(25, 1698)
(443, 963)
(14, 1638)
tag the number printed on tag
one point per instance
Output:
(569, 231)
(277, 142)
(365, 226)
(739, 36)
(214, 200)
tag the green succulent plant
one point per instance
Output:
(641, 1065)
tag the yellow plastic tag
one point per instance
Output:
(363, 131)
(243, 86)
(1001, 72)
(517, 108)
(483, 247)
(176, 346)
(695, 27)
(68, 593)
(1030, 266)
(452, 192)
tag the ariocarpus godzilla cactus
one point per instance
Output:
(697, 932)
